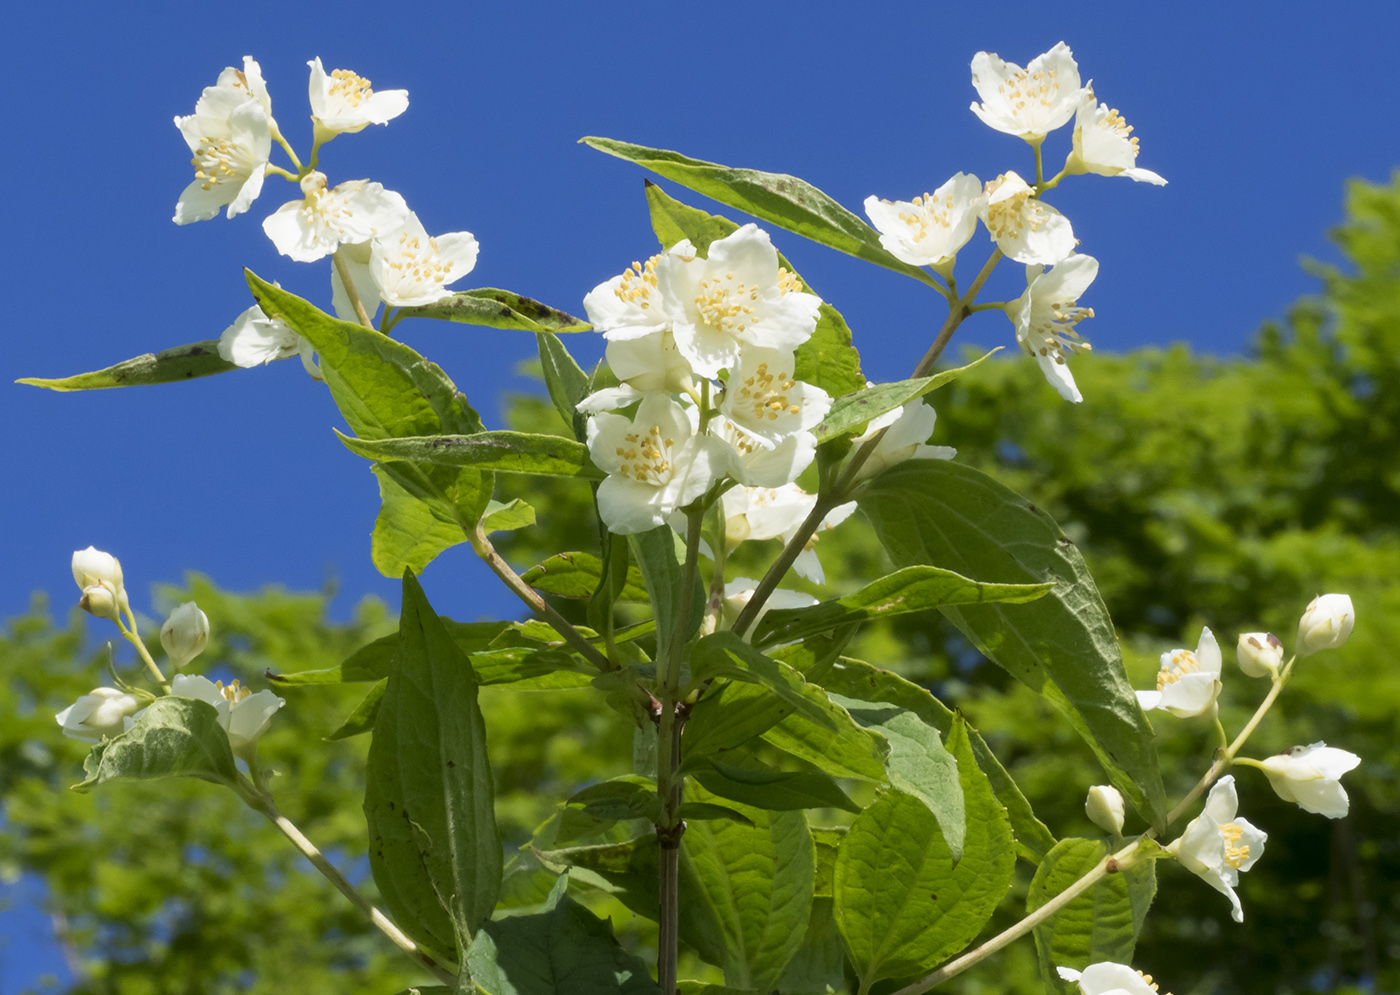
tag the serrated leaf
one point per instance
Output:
(362, 718)
(784, 200)
(850, 413)
(1102, 924)
(1063, 645)
(902, 905)
(174, 737)
(577, 575)
(434, 848)
(775, 790)
(176, 365)
(508, 452)
(497, 309)
(911, 589)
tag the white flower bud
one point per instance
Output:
(1309, 776)
(1104, 807)
(98, 600)
(99, 577)
(1326, 624)
(185, 634)
(1259, 653)
(98, 715)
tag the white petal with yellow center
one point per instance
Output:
(1025, 228)
(342, 101)
(764, 399)
(1104, 143)
(629, 306)
(315, 226)
(413, 268)
(1187, 683)
(1310, 777)
(1031, 102)
(929, 230)
(1218, 846)
(230, 139)
(1045, 317)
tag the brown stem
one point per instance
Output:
(344, 272)
(781, 565)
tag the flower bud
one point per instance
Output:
(1326, 624)
(1259, 653)
(185, 634)
(99, 576)
(101, 714)
(99, 601)
(1104, 807)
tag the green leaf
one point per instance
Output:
(1063, 645)
(372, 661)
(752, 893)
(849, 414)
(911, 589)
(507, 517)
(174, 737)
(362, 718)
(627, 797)
(700, 988)
(762, 787)
(857, 679)
(655, 554)
(565, 380)
(700, 811)
(561, 950)
(723, 654)
(820, 962)
(385, 390)
(1101, 924)
(902, 905)
(434, 848)
(784, 200)
(509, 452)
(185, 362)
(497, 309)
(577, 575)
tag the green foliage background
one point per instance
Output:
(1201, 490)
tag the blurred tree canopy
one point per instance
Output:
(1203, 491)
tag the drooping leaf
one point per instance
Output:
(784, 200)
(577, 575)
(755, 784)
(508, 452)
(174, 737)
(911, 589)
(902, 905)
(185, 362)
(565, 380)
(1101, 924)
(1063, 645)
(850, 413)
(701, 811)
(362, 718)
(435, 851)
(561, 950)
(497, 309)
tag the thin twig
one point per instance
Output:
(343, 272)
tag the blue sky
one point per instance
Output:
(1256, 113)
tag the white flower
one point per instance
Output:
(230, 135)
(99, 576)
(1109, 978)
(1103, 143)
(761, 464)
(655, 463)
(98, 715)
(185, 634)
(249, 82)
(738, 295)
(1030, 102)
(629, 306)
(344, 102)
(650, 363)
(412, 267)
(1216, 846)
(907, 429)
(929, 230)
(313, 227)
(1309, 777)
(1188, 683)
(1326, 623)
(1025, 228)
(1045, 316)
(777, 513)
(243, 714)
(1259, 653)
(739, 591)
(254, 339)
(1104, 807)
(764, 400)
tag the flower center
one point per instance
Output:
(1235, 855)
(349, 87)
(726, 303)
(646, 456)
(1052, 325)
(1181, 663)
(234, 693)
(1013, 214)
(220, 160)
(638, 284)
(417, 263)
(1023, 87)
(767, 393)
(931, 212)
(788, 283)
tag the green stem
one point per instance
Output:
(343, 272)
(291, 154)
(134, 638)
(271, 170)
(1039, 163)
(782, 564)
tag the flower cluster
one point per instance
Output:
(382, 249)
(105, 712)
(929, 230)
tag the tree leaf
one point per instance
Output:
(500, 517)
(755, 784)
(185, 362)
(784, 200)
(565, 380)
(497, 309)
(902, 905)
(362, 718)
(561, 950)
(857, 679)
(654, 552)
(435, 851)
(700, 811)
(509, 452)
(850, 413)
(910, 589)
(174, 737)
(577, 575)
(723, 654)
(1062, 645)
(1101, 924)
